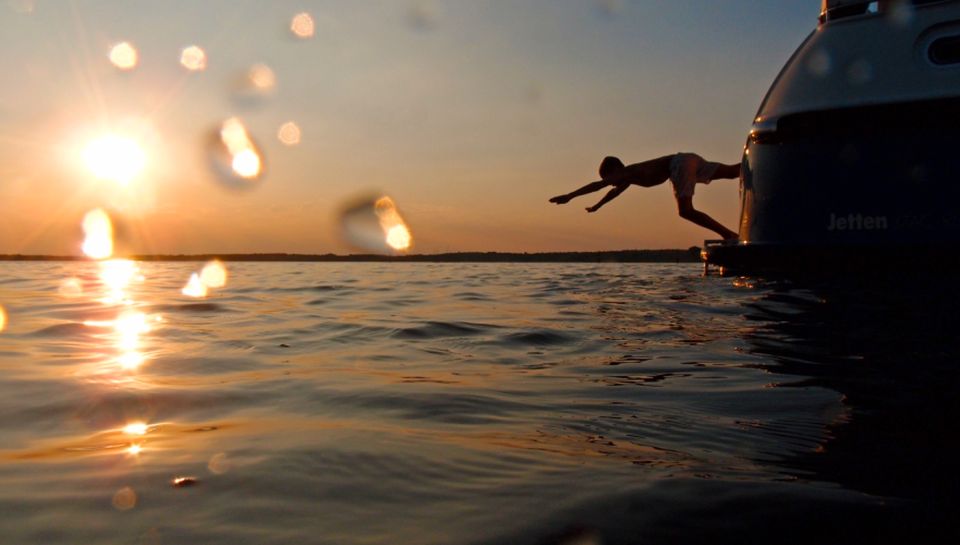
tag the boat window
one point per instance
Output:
(945, 50)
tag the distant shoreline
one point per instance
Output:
(690, 255)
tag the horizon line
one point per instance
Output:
(690, 254)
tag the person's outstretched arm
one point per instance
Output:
(612, 194)
(589, 188)
(689, 213)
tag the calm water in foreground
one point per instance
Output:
(471, 403)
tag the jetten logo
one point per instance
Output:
(856, 222)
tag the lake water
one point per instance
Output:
(470, 403)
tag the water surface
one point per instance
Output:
(466, 403)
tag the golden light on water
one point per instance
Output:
(134, 449)
(302, 25)
(131, 360)
(214, 274)
(289, 134)
(129, 326)
(70, 287)
(194, 287)
(3, 318)
(98, 234)
(135, 428)
(395, 230)
(193, 58)
(116, 275)
(124, 56)
(245, 160)
(115, 158)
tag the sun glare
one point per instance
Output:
(115, 158)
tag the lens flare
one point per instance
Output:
(246, 163)
(98, 234)
(115, 158)
(134, 449)
(194, 287)
(302, 25)
(124, 56)
(395, 230)
(289, 134)
(375, 224)
(234, 152)
(262, 77)
(214, 274)
(193, 58)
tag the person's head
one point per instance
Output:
(610, 166)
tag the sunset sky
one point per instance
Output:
(470, 114)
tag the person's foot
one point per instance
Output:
(560, 199)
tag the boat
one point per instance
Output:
(853, 159)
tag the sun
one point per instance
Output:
(114, 157)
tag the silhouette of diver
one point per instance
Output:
(684, 170)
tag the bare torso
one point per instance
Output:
(646, 174)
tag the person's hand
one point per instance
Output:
(560, 199)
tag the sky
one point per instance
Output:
(469, 114)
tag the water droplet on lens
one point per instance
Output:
(194, 287)
(219, 464)
(262, 77)
(609, 8)
(860, 72)
(900, 12)
(289, 134)
(258, 83)
(193, 58)
(124, 499)
(819, 63)
(124, 56)
(423, 16)
(375, 224)
(302, 25)
(234, 156)
(24, 7)
(183, 482)
(214, 274)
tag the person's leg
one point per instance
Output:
(589, 188)
(687, 212)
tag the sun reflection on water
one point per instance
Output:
(135, 428)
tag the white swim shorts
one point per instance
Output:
(689, 169)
